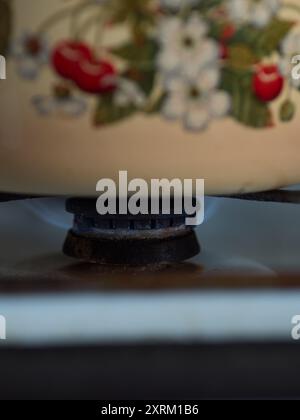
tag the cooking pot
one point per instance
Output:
(162, 89)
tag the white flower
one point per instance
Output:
(257, 12)
(128, 93)
(196, 103)
(30, 52)
(290, 47)
(62, 103)
(176, 5)
(188, 61)
(185, 49)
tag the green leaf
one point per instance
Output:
(107, 112)
(141, 63)
(266, 40)
(134, 11)
(141, 56)
(241, 57)
(5, 24)
(287, 111)
(205, 5)
(273, 36)
(246, 108)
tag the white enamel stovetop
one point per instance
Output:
(108, 305)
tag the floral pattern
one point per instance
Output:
(257, 12)
(62, 102)
(290, 47)
(185, 47)
(30, 53)
(195, 101)
(191, 61)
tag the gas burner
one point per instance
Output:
(138, 240)
(126, 239)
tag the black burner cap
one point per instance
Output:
(127, 239)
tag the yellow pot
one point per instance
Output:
(53, 154)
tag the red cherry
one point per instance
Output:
(67, 55)
(224, 51)
(267, 83)
(228, 32)
(95, 76)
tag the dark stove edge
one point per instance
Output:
(152, 372)
(273, 196)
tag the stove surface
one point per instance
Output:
(243, 286)
(242, 236)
